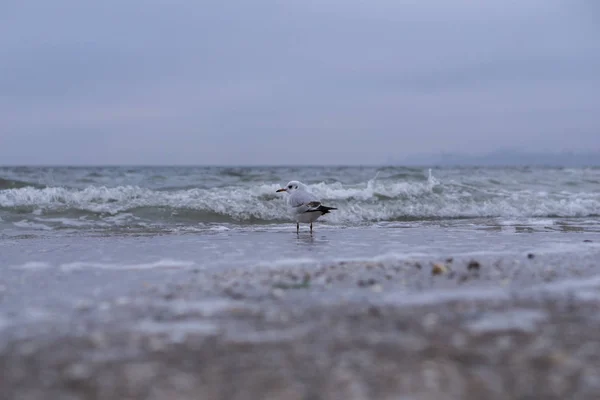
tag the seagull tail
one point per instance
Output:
(325, 209)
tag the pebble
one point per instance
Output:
(78, 372)
(377, 288)
(473, 265)
(366, 282)
(156, 344)
(459, 340)
(430, 321)
(374, 311)
(28, 348)
(99, 340)
(504, 342)
(438, 269)
(83, 305)
(123, 301)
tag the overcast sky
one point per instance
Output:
(294, 82)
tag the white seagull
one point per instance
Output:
(305, 206)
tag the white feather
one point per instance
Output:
(300, 201)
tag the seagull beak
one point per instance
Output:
(281, 190)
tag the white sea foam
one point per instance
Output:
(288, 262)
(525, 320)
(31, 225)
(79, 265)
(177, 331)
(70, 222)
(162, 264)
(32, 265)
(370, 201)
(207, 308)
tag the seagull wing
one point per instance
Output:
(303, 200)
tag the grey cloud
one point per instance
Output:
(290, 82)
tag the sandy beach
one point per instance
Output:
(516, 326)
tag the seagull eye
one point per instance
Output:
(289, 187)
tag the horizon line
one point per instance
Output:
(405, 165)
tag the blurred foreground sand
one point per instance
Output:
(490, 328)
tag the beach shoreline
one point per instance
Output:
(520, 326)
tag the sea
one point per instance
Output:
(220, 217)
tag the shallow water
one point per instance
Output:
(282, 246)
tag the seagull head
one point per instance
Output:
(291, 186)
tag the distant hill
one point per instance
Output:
(505, 158)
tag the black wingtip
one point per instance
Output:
(325, 209)
(322, 209)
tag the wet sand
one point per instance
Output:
(493, 327)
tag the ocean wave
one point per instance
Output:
(16, 184)
(371, 201)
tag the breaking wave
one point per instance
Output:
(370, 201)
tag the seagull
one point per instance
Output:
(305, 206)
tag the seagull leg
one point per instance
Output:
(311, 227)
(297, 227)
